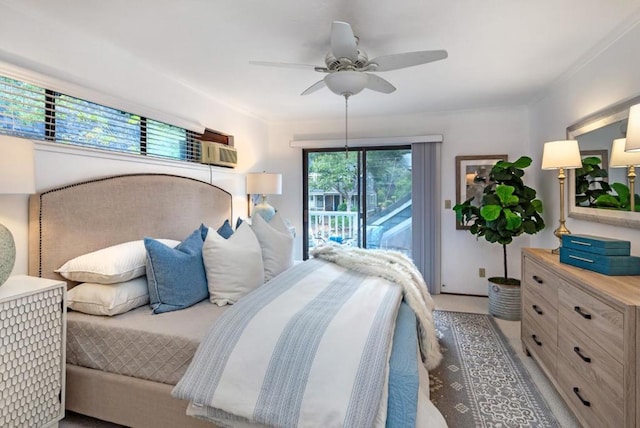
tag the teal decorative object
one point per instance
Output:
(7, 254)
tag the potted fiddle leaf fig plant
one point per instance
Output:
(508, 209)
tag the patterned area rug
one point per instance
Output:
(480, 381)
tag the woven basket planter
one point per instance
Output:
(504, 301)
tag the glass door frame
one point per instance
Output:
(361, 184)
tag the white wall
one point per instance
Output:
(501, 131)
(608, 79)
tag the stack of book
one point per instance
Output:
(603, 255)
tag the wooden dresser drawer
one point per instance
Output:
(541, 311)
(539, 343)
(589, 402)
(597, 320)
(541, 279)
(591, 361)
(594, 362)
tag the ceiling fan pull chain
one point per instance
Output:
(346, 126)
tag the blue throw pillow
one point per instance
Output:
(238, 223)
(175, 276)
(225, 230)
(203, 231)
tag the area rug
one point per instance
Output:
(480, 381)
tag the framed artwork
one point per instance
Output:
(472, 176)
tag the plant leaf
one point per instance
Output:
(505, 193)
(522, 162)
(591, 160)
(607, 201)
(490, 212)
(513, 220)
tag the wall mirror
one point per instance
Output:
(595, 135)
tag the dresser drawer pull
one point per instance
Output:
(586, 244)
(537, 309)
(582, 259)
(584, 314)
(576, 391)
(537, 279)
(535, 339)
(577, 351)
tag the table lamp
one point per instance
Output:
(561, 155)
(633, 130)
(16, 177)
(629, 160)
(264, 183)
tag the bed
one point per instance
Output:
(106, 378)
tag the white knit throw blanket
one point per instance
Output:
(397, 268)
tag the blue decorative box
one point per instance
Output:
(608, 265)
(597, 245)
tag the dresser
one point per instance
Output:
(582, 328)
(32, 352)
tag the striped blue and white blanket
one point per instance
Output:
(310, 348)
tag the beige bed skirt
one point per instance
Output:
(125, 400)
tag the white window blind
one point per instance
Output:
(33, 112)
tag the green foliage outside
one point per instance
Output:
(21, 106)
(387, 175)
(508, 209)
(22, 112)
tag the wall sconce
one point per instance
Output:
(263, 183)
(561, 155)
(16, 177)
(622, 159)
(633, 130)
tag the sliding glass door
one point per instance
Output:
(360, 197)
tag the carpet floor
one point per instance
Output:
(481, 382)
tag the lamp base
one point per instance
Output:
(265, 210)
(560, 232)
(7, 254)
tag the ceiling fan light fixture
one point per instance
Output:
(346, 82)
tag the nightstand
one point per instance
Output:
(32, 351)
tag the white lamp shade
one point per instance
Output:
(264, 183)
(620, 158)
(16, 165)
(561, 154)
(346, 82)
(633, 129)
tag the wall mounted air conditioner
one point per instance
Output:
(218, 154)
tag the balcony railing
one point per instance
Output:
(338, 226)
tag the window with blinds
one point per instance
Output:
(32, 112)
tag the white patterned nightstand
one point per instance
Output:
(32, 352)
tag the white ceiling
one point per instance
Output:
(501, 52)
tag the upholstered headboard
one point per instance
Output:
(76, 219)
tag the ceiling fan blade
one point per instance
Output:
(343, 42)
(377, 83)
(315, 87)
(407, 59)
(290, 65)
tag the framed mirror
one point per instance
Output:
(595, 135)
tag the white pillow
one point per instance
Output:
(276, 242)
(233, 266)
(108, 299)
(110, 265)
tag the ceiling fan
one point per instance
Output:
(349, 68)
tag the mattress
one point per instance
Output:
(158, 347)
